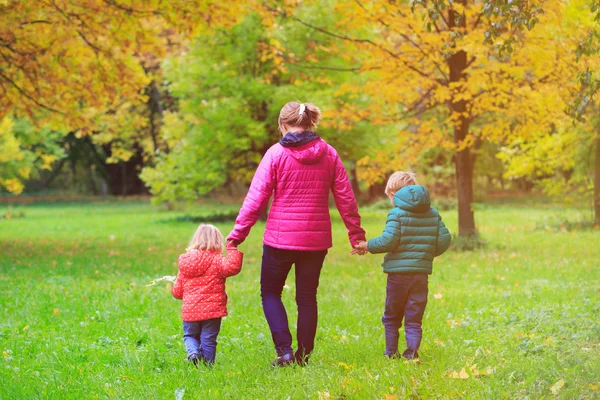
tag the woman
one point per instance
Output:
(299, 171)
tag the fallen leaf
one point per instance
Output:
(348, 367)
(26, 327)
(557, 386)
(459, 375)
(596, 387)
(56, 311)
(324, 395)
(390, 397)
(437, 296)
(439, 342)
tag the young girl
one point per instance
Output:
(201, 284)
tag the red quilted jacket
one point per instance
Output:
(201, 282)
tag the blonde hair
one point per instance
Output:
(207, 237)
(302, 115)
(398, 180)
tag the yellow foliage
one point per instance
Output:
(71, 53)
(13, 185)
(498, 98)
(47, 161)
(9, 145)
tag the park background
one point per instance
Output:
(125, 123)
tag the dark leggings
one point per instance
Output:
(276, 264)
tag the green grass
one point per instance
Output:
(78, 322)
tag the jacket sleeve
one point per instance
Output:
(256, 200)
(346, 202)
(389, 239)
(232, 264)
(177, 290)
(444, 238)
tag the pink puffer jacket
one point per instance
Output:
(300, 179)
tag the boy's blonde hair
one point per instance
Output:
(207, 237)
(302, 115)
(398, 180)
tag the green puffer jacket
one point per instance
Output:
(414, 233)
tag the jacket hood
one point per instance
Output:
(306, 146)
(194, 263)
(413, 198)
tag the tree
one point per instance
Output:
(229, 89)
(435, 71)
(24, 151)
(64, 62)
(564, 156)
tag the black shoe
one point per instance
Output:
(301, 360)
(194, 358)
(410, 354)
(284, 360)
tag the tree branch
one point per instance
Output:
(304, 66)
(367, 41)
(27, 95)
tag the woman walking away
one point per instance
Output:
(299, 172)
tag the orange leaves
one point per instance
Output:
(470, 371)
(67, 56)
(346, 366)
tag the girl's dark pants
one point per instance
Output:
(200, 338)
(276, 264)
(406, 298)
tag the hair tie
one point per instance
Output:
(302, 108)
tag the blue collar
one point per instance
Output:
(297, 139)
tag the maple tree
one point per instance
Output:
(64, 62)
(432, 65)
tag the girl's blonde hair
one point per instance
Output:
(207, 237)
(302, 115)
(398, 180)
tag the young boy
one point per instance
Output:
(414, 234)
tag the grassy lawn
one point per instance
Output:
(518, 319)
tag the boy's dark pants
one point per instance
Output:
(200, 338)
(276, 265)
(406, 298)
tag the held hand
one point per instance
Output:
(360, 249)
(231, 244)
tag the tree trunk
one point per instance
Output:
(463, 160)
(156, 114)
(123, 177)
(464, 187)
(597, 181)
